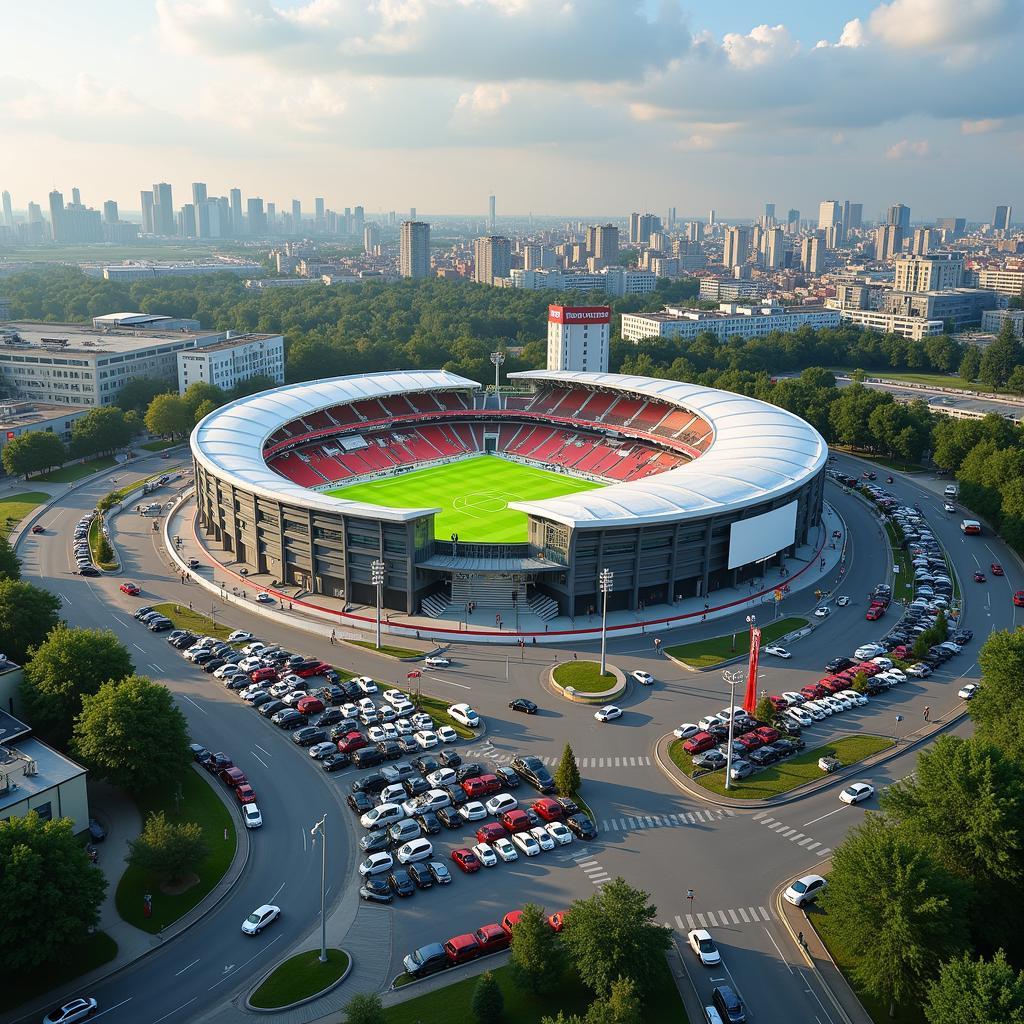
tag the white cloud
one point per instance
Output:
(934, 24)
(907, 149)
(764, 44)
(485, 100)
(983, 126)
(853, 34)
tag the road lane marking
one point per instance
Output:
(234, 969)
(451, 682)
(110, 1009)
(779, 951)
(267, 752)
(260, 759)
(732, 914)
(185, 696)
(187, 966)
(138, 648)
(764, 913)
(153, 665)
(63, 599)
(743, 914)
(123, 623)
(702, 920)
(175, 1010)
(712, 918)
(276, 894)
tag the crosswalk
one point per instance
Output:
(782, 829)
(721, 918)
(593, 869)
(633, 823)
(487, 750)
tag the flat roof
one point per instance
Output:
(86, 338)
(747, 311)
(232, 342)
(52, 770)
(40, 412)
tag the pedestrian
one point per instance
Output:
(574, 656)
(927, 712)
(289, 606)
(800, 938)
(190, 606)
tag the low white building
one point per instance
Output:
(235, 359)
(730, 320)
(913, 328)
(617, 281)
(992, 321)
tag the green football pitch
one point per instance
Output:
(473, 496)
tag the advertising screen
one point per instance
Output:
(750, 540)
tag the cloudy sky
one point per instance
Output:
(558, 106)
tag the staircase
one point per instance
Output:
(544, 607)
(434, 605)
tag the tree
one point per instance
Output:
(488, 1002)
(765, 710)
(537, 961)
(970, 364)
(33, 453)
(99, 431)
(138, 392)
(896, 910)
(50, 892)
(200, 393)
(1000, 357)
(68, 665)
(104, 551)
(567, 775)
(203, 409)
(251, 385)
(10, 563)
(173, 851)
(27, 614)
(169, 416)
(132, 734)
(622, 1006)
(612, 934)
(998, 707)
(365, 1008)
(976, 992)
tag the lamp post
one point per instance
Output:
(321, 828)
(497, 358)
(377, 579)
(732, 678)
(606, 580)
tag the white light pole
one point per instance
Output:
(377, 568)
(321, 828)
(606, 580)
(497, 358)
(732, 678)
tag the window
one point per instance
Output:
(45, 811)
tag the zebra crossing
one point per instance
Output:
(635, 822)
(592, 868)
(782, 829)
(721, 918)
(487, 750)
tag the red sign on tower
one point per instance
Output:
(580, 314)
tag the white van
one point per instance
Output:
(950, 490)
(418, 849)
(380, 817)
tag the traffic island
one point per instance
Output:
(715, 651)
(299, 979)
(583, 683)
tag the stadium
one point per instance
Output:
(507, 503)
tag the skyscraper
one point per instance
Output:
(855, 219)
(793, 221)
(358, 221)
(812, 253)
(56, 216)
(163, 210)
(1002, 218)
(414, 249)
(297, 216)
(371, 238)
(76, 196)
(769, 214)
(318, 214)
(148, 221)
(900, 216)
(923, 241)
(829, 213)
(256, 218)
(737, 247)
(491, 210)
(603, 242)
(198, 193)
(110, 212)
(492, 256)
(187, 226)
(237, 222)
(775, 248)
(888, 242)
(8, 212)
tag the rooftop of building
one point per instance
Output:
(671, 314)
(31, 768)
(233, 342)
(133, 320)
(85, 337)
(24, 414)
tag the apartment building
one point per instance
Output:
(914, 328)
(730, 320)
(227, 363)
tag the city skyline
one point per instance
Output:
(376, 104)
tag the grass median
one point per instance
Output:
(716, 649)
(300, 977)
(77, 471)
(195, 622)
(388, 649)
(785, 775)
(199, 804)
(584, 676)
(95, 534)
(14, 508)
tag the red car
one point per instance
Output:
(467, 860)
(475, 788)
(699, 743)
(750, 740)
(814, 692)
(492, 784)
(979, 577)
(1018, 598)
(130, 588)
(233, 777)
(767, 734)
(305, 671)
(38, 528)
(900, 651)
(548, 809)
(869, 668)
(874, 613)
(556, 921)
(510, 920)
(263, 675)
(492, 937)
(997, 569)
(351, 742)
(779, 703)
(245, 794)
(310, 705)
(515, 820)
(488, 833)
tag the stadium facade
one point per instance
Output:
(704, 488)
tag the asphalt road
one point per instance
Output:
(651, 833)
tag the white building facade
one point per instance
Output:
(729, 321)
(913, 328)
(578, 338)
(232, 361)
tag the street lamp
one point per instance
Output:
(377, 568)
(497, 358)
(321, 828)
(606, 580)
(732, 677)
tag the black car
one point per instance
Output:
(427, 764)
(581, 826)
(376, 890)
(272, 707)
(199, 753)
(469, 771)
(376, 840)
(332, 716)
(763, 756)
(416, 785)
(426, 960)
(963, 636)
(218, 762)
(359, 802)
(184, 636)
(428, 822)
(449, 817)
(509, 778)
(568, 805)
(372, 783)
(457, 794)
(784, 747)
(342, 729)
(332, 694)
(260, 700)
(335, 762)
(97, 833)
(308, 735)
(202, 657)
(289, 719)
(139, 612)
(240, 683)
(721, 732)
(88, 570)
(399, 772)
(408, 744)
(729, 1005)
(420, 875)
(350, 688)
(390, 750)
(527, 707)
(368, 757)
(450, 759)
(533, 771)
(838, 664)
(400, 882)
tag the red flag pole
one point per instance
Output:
(750, 701)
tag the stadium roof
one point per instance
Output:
(758, 451)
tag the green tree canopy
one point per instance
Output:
(169, 416)
(132, 734)
(1000, 358)
(200, 392)
(488, 1002)
(970, 364)
(33, 453)
(365, 1008)
(10, 563)
(50, 893)
(567, 774)
(537, 959)
(69, 664)
(100, 431)
(969, 991)
(138, 392)
(27, 614)
(172, 851)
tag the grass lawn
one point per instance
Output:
(716, 649)
(184, 618)
(298, 977)
(438, 710)
(901, 558)
(786, 775)
(935, 380)
(69, 474)
(877, 1008)
(882, 460)
(95, 532)
(199, 803)
(395, 652)
(20, 986)
(584, 676)
(158, 446)
(473, 496)
(452, 1004)
(14, 508)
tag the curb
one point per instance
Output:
(571, 694)
(300, 1002)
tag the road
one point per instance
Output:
(652, 833)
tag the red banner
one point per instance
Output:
(750, 701)
(580, 314)
(413, 675)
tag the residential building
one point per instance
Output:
(775, 248)
(830, 214)
(737, 246)
(492, 256)
(992, 320)
(491, 211)
(952, 227)
(1002, 218)
(713, 289)
(812, 253)
(729, 321)
(7, 209)
(371, 238)
(958, 307)
(642, 226)
(414, 249)
(237, 220)
(578, 338)
(913, 328)
(235, 359)
(1006, 282)
(163, 210)
(926, 273)
(148, 215)
(923, 241)
(603, 243)
(899, 215)
(616, 281)
(888, 242)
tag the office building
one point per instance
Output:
(578, 338)
(187, 227)
(812, 253)
(8, 211)
(533, 257)
(296, 216)
(711, 218)
(256, 217)
(1006, 282)
(237, 220)
(992, 320)
(730, 320)
(371, 238)
(713, 289)
(145, 322)
(888, 242)
(616, 281)
(775, 248)
(923, 241)
(235, 359)
(56, 200)
(694, 231)
(492, 257)
(74, 222)
(927, 273)
(899, 215)
(163, 210)
(1002, 218)
(769, 214)
(414, 249)
(198, 193)
(793, 221)
(491, 211)
(913, 328)
(603, 242)
(145, 271)
(358, 221)
(148, 220)
(642, 226)
(853, 214)
(830, 213)
(956, 307)
(110, 212)
(952, 227)
(737, 247)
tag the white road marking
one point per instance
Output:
(712, 918)
(703, 921)
(260, 759)
(123, 623)
(138, 648)
(175, 1010)
(63, 599)
(451, 682)
(267, 752)
(185, 696)
(109, 1009)
(156, 668)
(276, 894)
(779, 951)
(743, 914)
(735, 919)
(187, 966)
(838, 810)
(234, 969)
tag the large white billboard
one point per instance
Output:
(751, 540)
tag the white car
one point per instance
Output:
(559, 832)
(246, 664)
(404, 707)
(473, 811)
(260, 918)
(441, 777)
(526, 843)
(709, 720)
(856, 792)
(239, 636)
(226, 669)
(426, 739)
(279, 689)
(376, 864)
(860, 699)
(366, 705)
(396, 793)
(823, 612)
(704, 947)
(422, 720)
(794, 699)
(251, 815)
(464, 715)
(380, 733)
(805, 890)
(608, 713)
(404, 727)
(264, 598)
(835, 703)
(816, 710)
(801, 717)
(501, 803)
(254, 648)
(417, 850)
(868, 651)
(920, 670)
(446, 734)
(505, 850)
(543, 837)
(968, 691)
(382, 815)
(394, 697)
(432, 800)
(643, 678)
(321, 750)
(437, 661)
(293, 697)
(365, 684)
(685, 731)
(75, 1010)
(350, 710)
(779, 652)
(898, 674)
(951, 646)
(882, 662)
(842, 601)
(485, 855)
